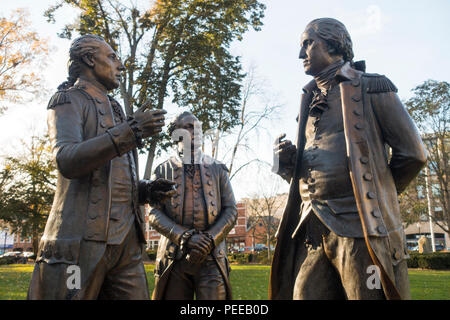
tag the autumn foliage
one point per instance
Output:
(22, 53)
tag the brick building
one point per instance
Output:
(245, 234)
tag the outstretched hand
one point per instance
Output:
(150, 122)
(160, 190)
(284, 149)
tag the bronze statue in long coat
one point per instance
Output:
(92, 245)
(194, 223)
(356, 149)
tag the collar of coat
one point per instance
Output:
(95, 92)
(345, 73)
(200, 158)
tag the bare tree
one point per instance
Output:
(257, 107)
(263, 209)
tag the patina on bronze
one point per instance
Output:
(342, 216)
(93, 241)
(191, 256)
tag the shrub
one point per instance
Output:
(436, 260)
(151, 254)
(245, 258)
(8, 260)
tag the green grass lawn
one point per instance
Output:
(247, 281)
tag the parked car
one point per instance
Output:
(260, 247)
(12, 254)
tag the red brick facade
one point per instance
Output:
(242, 236)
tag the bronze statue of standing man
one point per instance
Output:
(92, 245)
(191, 257)
(341, 231)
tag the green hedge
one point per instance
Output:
(8, 260)
(151, 254)
(436, 260)
(245, 258)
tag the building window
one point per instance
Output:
(420, 192)
(153, 244)
(435, 189)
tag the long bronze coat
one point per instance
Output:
(167, 219)
(84, 140)
(373, 117)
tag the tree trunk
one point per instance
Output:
(150, 158)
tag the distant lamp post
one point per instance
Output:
(4, 243)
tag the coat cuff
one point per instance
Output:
(123, 138)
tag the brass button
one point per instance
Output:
(355, 82)
(367, 176)
(371, 195)
(211, 193)
(90, 235)
(376, 213)
(102, 124)
(356, 98)
(101, 111)
(209, 182)
(359, 126)
(357, 112)
(98, 100)
(364, 160)
(381, 229)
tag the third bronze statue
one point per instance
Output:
(194, 223)
(356, 150)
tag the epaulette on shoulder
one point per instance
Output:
(224, 167)
(60, 97)
(377, 83)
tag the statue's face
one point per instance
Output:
(314, 52)
(194, 127)
(107, 67)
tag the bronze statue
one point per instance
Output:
(342, 223)
(92, 245)
(191, 256)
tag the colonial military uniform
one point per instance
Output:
(342, 214)
(95, 223)
(204, 202)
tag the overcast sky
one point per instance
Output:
(405, 40)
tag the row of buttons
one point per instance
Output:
(367, 176)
